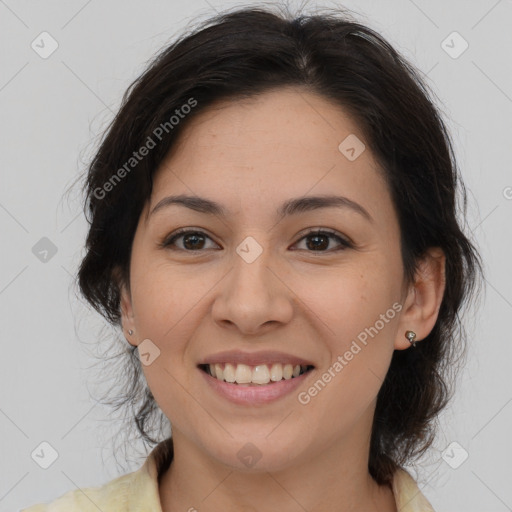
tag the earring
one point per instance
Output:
(130, 332)
(411, 335)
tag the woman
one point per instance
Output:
(273, 225)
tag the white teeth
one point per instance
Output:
(261, 374)
(229, 373)
(276, 372)
(243, 374)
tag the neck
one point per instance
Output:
(334, 479)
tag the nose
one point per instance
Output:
(253, 296)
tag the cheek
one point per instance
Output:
(163, 298)
(166, 304)
(354, 309)
(347, 300)
(356, 315)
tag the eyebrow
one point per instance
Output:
(290, 207)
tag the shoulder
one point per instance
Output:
(112, 496)
(134, 491)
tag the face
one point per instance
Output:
(247, 280)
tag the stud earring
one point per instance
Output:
(130, 332)
(411, 335)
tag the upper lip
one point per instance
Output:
(254, 358)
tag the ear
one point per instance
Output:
(127, 317)
(424, 297)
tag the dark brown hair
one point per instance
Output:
(246, 52)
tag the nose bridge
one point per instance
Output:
(250, 265)
(252, 295)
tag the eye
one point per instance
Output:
(320, 240)
(194, 240)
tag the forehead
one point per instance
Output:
(255, 152)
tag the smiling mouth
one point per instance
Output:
(259, 375)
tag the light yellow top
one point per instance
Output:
(138, 491)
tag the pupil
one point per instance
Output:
(194, 237)
(318, 245)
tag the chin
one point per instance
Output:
(256, 454)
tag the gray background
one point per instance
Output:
(52, 112)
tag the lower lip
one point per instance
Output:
(254, 395)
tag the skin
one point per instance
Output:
(251, 156)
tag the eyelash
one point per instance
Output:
(185, 231)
